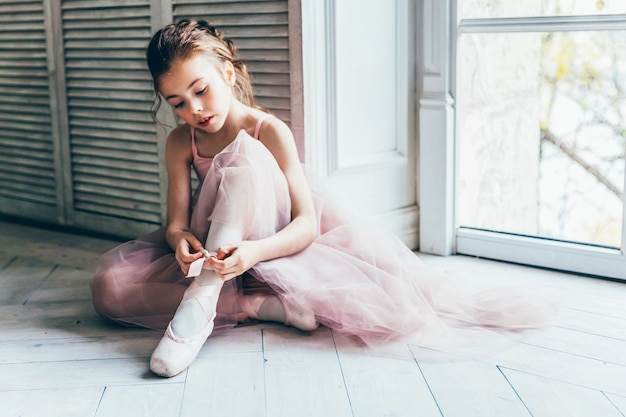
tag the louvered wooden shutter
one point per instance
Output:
(260, 29)
(27, 148)
(77, 143)
(115, 162)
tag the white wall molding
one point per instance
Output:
(437, 130)
(403, 102)
(433, 46)
(318, 82)
(403, 222)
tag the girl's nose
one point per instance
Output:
(196, 106)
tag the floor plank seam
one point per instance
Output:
(182, 396)
(517, 394)
(603, 314)
(104, 390)
(10, 262)
(343, 375)
(613, 404)
(604, 361)
(430, 390)
(561, 380)
(40, 284)
(592, 333)
(45, 362)
(116, 359)
(264, 371)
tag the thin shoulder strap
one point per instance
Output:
(194, 149)
(259, 122)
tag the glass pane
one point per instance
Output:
(482, 9)
(541, 134)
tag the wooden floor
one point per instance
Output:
(57, 358)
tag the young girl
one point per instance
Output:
(256, 243)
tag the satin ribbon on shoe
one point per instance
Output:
(198, 265)
(174, 354)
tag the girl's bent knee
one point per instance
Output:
(106, 295)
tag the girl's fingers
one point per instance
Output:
(191, 257)
(228, 265)
(225, 270)
(197, 246)
(224, 252)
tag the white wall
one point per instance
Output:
(359, 95)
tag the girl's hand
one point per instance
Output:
(188, 249)
(233, 260)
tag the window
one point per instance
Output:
(540, 133)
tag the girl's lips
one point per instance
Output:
(205, 122)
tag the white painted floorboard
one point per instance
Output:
(57, 358)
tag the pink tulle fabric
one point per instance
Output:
(358, 281)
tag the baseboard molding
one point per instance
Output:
(403, 223)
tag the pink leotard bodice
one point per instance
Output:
(201, 164)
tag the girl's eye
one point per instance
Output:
(199, 93)
(179, 105)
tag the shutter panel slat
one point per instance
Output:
(85, 52)
(142, 196)
(108, 84)
(98, 124)
(268, 67)
(260, 29)
(117, 154)
(117, 174)
(228, 20)
(113, 95)
(121, 74)
(116, 208)
(33, 8)
(41, 185)
(10, 191)
(21, 36)
(126, 116)
(119, 34)
(31, 145)
(109, 96)
(93, 143)
(36, 89)
(107, 64)
(112, 136)
(89, 161)
(100, 4)
(28, 163)
(27, 168)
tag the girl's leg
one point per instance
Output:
(269, 306)
(138, 283)
(259, 301)
(193, 321)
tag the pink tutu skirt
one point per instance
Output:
(357, 280)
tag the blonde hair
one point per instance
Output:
(184, 39)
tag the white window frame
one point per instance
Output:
(439, 229)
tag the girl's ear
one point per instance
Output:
(229, 73)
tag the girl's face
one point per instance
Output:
(199, 92)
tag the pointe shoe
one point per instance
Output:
(300, 319)
(174, 354)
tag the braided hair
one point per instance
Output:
(185, 38)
